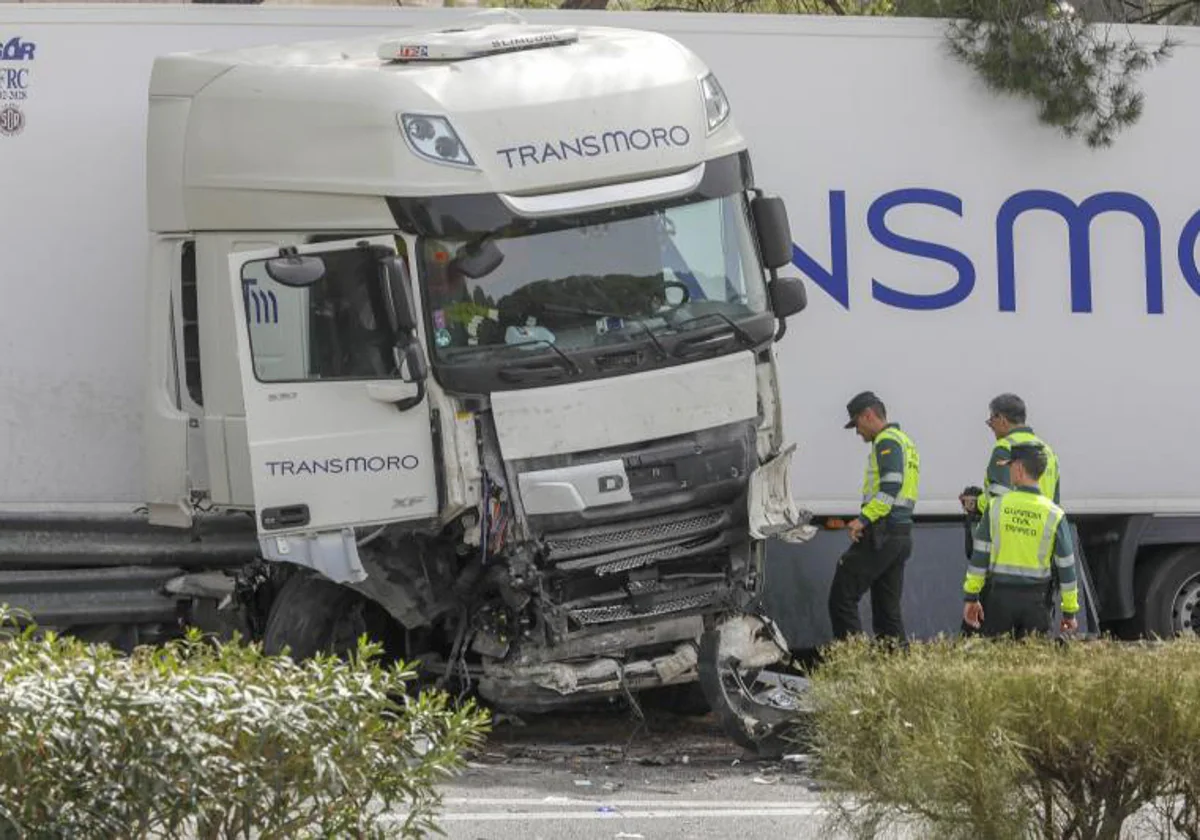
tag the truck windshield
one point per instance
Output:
(642, 277)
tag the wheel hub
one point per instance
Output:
(1185, 609)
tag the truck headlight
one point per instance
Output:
(433, 138)
(716, 106)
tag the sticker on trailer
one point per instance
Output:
(15, 78)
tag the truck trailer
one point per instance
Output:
(473, 334)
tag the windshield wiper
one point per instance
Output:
(744, 337)
(595, 313)
(525, 345)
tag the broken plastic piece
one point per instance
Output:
(773, 513)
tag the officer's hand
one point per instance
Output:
(1069, 624)
(973, 614)
(856, 530)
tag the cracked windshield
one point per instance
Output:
(667, 271)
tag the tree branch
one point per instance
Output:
(1164, 12)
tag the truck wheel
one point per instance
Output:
(1168, 595)
(755, 713)
(312, 615)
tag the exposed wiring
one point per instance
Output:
(484, 504)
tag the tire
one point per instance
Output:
(1167, 592)
(730, 691)
(312, 615)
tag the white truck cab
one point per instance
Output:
(479, 323)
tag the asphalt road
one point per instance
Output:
(585, 775)
(524, 804)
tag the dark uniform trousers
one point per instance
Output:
(874, 564)
(1014, 608)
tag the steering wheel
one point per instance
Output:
(675, 284)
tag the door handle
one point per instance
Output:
(288, 516)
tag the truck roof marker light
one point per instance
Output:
(461, 44)
(716, 105)
(433, 138)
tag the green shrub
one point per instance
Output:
(1000, 740)
(217, 741)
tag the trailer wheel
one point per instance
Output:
(1168, 595)
(312, 615)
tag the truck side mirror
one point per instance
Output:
(788, 296)
(295, 271)
(397, 291)
(774, 233)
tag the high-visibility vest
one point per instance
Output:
(910, 479)
(1023, 529)
(1047, 484)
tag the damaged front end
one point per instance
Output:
(581, 601)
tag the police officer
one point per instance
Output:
(881, 535)
(1006, 419)
(1023, 535)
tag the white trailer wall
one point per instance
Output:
(869, 114)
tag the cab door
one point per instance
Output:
(338, 438)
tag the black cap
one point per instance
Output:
(859, 404)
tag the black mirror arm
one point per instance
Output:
(405, 357)
(782, 328)
(413, 401)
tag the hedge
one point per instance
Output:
(205, 740)
(999, 740)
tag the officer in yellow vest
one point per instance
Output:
(1021, 537)
(1006, 419)
(881, 535)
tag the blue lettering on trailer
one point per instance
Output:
(14, 78)
(834, 280)
(14, 49)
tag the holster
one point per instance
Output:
(879, 532)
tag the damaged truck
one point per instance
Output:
(461, 338)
